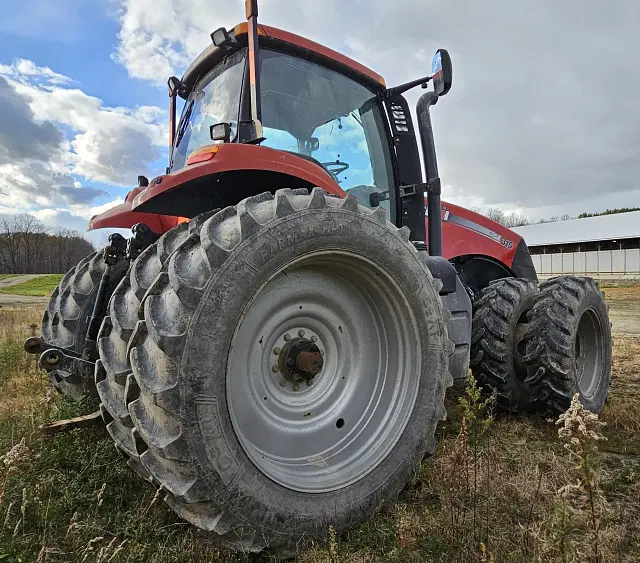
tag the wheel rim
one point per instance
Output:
(588, 350)
(328, 434)
(519, 345)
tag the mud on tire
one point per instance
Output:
(65, 321)
(186, 422)
(497, 342)
(113, 377)
(568, 349)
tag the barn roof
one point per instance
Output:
(590, 229)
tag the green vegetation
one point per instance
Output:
(609, 212)
(499, 488)
(36, 287)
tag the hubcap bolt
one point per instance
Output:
(276, 350)
(283, 382)
(287, 336)
(301, 333)
(314, 338)
(296, 387)
(274, 367)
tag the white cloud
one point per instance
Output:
(112, 145)
(24, 70)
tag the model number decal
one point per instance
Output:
(506, 243)
(472, 226)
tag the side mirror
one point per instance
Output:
(174, 85)
(442, 72)
(221, 132)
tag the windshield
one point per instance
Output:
(325, 116)
(216, 99)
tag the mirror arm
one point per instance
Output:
(402, 88)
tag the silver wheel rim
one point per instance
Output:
(331, 433)
(588, 350)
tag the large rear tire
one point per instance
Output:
(242, 449)
(568, 346)
(497, 344)
(65, 321)
(113, 370)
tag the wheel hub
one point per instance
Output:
(300, 360)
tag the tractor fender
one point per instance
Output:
(228, 173)
(122, 217)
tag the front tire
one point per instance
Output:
(500, 323)
(569, 345)
(259, 463)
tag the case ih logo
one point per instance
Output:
(399, 119)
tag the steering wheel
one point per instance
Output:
(339, 165)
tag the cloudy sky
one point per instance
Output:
(542, 117)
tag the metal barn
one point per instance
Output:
(607, 246)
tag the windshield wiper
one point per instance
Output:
(184, 123)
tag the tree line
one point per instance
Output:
(27, 246)
(511, 220)
(609, 212)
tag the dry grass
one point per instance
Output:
(622, 293)
(491, 492)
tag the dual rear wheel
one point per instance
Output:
(285, 369)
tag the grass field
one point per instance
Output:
(37, 287)
(499, 488)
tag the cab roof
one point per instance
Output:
(287, 42)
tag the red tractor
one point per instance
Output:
(273, 344)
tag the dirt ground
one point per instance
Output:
(18, 278)
(7, 299)
(624, 309)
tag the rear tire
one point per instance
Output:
(202, 359)
(497, 343)
(65, 321)
(569, 345)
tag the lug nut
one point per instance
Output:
(274, 368)
(301, 333)
(310, 381)
(276, 350)
(289, 361)
(296, 387)
(283, 382)
(287, 336)
(314, 338)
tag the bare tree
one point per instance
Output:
(26, 246)
(508, 220)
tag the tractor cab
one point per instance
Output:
(307, 109)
